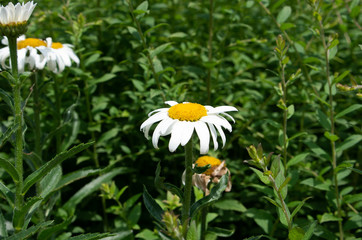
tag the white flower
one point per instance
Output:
(181, 119)
(58, 55)
(28, 54)
(17, 14)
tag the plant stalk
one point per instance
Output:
(285, 116)
(19, 121)
(203, 223)
(333, 144)
(188, 188)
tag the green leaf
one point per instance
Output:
(50, 181)
(297, 159)
(272, 201)
(334, 43)
(91, 236)
(143, 6)
(350, 109)
(47, 167)
(296, 233)
(8, 194)
(3, 231)
(221, 232)
(200, 170)
(134, 33)
(48, 232)
(324, 120)
(153, 208)
(310, 231)
(262, 177)
(214, 195)
(159, 182)
(285, 26)
(356, 170)
(330, 136)
(340, 77)
(284, 14)
(10, 169)
(230, 204)
(353, 198)
(296, 136)
(19, 214)
(155, 27)
(134, 215)
(8, 99)
(106, 77)
(300, 205)
(348, 143)
(91, 187)
(159, 49)
(192, 232)
(4, 137)
(290, 111)
(261, 217)
(328, 217)
(284, 184)
(275, 166)
(318, 151)
(24, 234)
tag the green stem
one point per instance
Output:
(188, 188)
(203, 223)
(333, 145)
(146, 48)
(285, 117)
(209, 47)
(19, 121)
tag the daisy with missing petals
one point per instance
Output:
(13, 18)
(29, 57)
(58, 55)
(181, 119)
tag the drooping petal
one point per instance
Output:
(217, 120)
(222, 109)
(188, 130)
(154, 118)
(222, 134)
(213, 135)
(176, 136)
(204, 136)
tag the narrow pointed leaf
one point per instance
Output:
(300, 205)
(24, 234)
(47, 233)
(310, 231)
(3, 231)
(91, 187)
(192, 232)
(7, 98)
(214, 195)
(221, 232)
(152, 206)
(4, 138)
(47, 167)
(8, 194)
(19, 214)
(91, 236)
(10, 169)
(272, 201)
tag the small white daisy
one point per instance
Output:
(58, 55)
(17, 14)
(27, 54)
(181, 119)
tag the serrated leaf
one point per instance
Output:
(214, 195)
(91, 187)
(284, 14)
(10, 169)
(4, 137)
(192, 232)
(152, 206)
(48, 232)
(19, 214)
(47, 167)
(24, 234)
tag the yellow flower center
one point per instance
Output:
(205, 160)
(187, 112)
(31, 42)
(57, 45)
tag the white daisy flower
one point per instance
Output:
(181, 119)
(58, 55)
(28, 54)
(17, 14)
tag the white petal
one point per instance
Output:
(176, 136)
(160, 130)
(217, 120)
(222, 109)
(228, 115)
(188, 130)
(158, 110)
(171, 103)
(204, 136)
(154, 118)
(222, 135)
(213, 135)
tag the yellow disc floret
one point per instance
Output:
(187, 112)
(31, 42)
(57, 45)
(205, 160)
